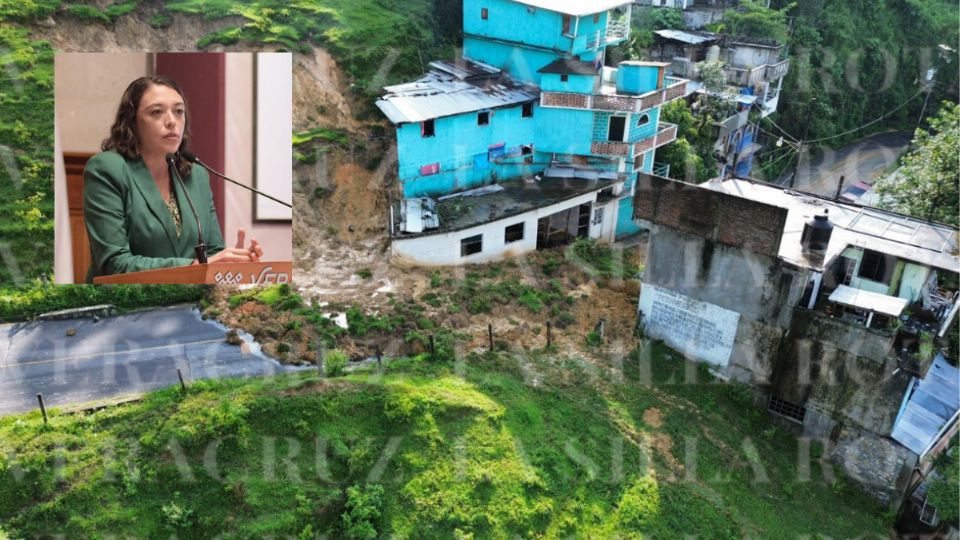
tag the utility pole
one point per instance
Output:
(803, 140)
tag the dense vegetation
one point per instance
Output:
(855, 61)
(497, 446)
(26, 146)
(928, 183)
(26, 301)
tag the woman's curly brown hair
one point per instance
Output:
(123, 134)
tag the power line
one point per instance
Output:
(868, 124)
(789, 136)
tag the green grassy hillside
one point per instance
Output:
(498, 446)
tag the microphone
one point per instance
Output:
(191, 157)
(201, 248)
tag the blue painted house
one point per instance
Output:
(530, 139)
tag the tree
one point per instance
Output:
(944, 488)
(685, 154)
(753, 19)
(927, 184)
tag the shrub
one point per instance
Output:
(335, 363)
(364, 506)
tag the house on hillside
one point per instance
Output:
(830, 309)
(696, 13)
(754, 70)
(530, 139)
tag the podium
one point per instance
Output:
(258, 273)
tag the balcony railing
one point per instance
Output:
(610, 148)
(615, 102)
(617, 29)
(776, 71)
(753, 76)
(744, 76)
(661, 169)
(666, 133)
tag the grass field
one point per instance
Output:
(495, 446)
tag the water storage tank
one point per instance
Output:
(713, 53)
(638, 77)
(816, 233)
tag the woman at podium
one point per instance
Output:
(137, 215)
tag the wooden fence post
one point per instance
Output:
(43, 409)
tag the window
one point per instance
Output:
(513, 233)
(618, 125)
(471, 245)
(527, 111)
(597, 216)
(427, 170)
(596, 18)
(483, 118)
(643, 120)
(876, 266)
(426, 128)
(564, 78)
(566, 24)
(526, 149)
(638, 162)
(786, 409)
(484, 13)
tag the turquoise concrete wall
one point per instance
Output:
(540, 27)
(637, 79)
(521, 63)
(514, 22)
(580, 84)
(461, 147)
(625, 223)
(638, 133)
(563, 131)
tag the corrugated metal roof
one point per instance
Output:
(934, 401)
(926, 243)
(577, 8)
(687, 37)
(454, 88)
(859, 298)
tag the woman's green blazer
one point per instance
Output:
(129, 226)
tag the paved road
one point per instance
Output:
(125, 354)
(863, 161)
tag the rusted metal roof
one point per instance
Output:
(452, 88)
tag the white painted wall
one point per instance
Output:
(276, 238)
(699, 330)
(444, 249)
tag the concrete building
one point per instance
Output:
(830, 309)
(754, 70)
(530, 139)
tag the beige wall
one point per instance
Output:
(276, 238)
(86, 95)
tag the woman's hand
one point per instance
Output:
(239, 253)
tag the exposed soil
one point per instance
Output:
(653, 418)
